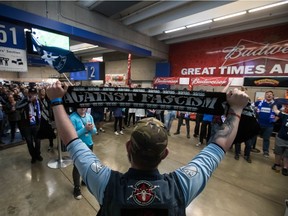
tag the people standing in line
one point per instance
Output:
(169, 117)
(47, 126)
(142, 187)
(281, 144)
(84, 126)
(198, 120)
(266, 119)
(183, 116)
(205, 130)
(30, 121)
(118, 118)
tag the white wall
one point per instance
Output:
(141, 69)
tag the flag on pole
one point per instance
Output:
(128, 79)
(60, 59)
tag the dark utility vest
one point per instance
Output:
(138, 193)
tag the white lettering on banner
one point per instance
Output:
(217, 81)
(198, 71)
(266, 50)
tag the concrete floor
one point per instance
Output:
(237, 188)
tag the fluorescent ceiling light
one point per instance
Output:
(230, 16)
(176, 29)
(267, 6)
(198, 24)
(82, 46)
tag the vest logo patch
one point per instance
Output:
(96, 167)
(189, 171)
(143, 193)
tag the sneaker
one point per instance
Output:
(248, 159)
(188, 136)
(198, 144)
(77, 193)
(236, 157)
(116, 133)
(276, 167)
(255, 150)
(284, 171)
(121, 132)
(176, 133)
(101, 130)
(266, 154)
(195, 135)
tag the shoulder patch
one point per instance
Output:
(96, 167)
(189, 171)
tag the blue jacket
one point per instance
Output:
(79, 124)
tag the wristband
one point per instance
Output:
(56, 100)
(56, 103)
(232, 113)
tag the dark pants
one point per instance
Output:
(33, 142)
(131, 115)
(75, 173)
(205, 131)
(198, 121)
(247, 149)
(180, 122)
(118, 120)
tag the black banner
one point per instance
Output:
(266, 81)
(191, 101)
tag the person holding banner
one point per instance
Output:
(142, 187)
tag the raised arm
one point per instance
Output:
(226, 134)
(64, 126)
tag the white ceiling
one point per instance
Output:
(152, 18)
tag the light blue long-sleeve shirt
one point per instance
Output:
(192, 178)
(79, 125)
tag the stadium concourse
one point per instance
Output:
(237, 188)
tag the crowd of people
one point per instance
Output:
(30, 110)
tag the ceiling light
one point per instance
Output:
(176, 29)
(267, 6)
(199, 23)
(82, 46)
(230, 16)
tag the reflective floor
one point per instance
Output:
(237, 188)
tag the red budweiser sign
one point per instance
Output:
(261, 52)
(166, 81)
(209, 81)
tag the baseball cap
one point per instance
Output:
(32, 90)
(149, 138)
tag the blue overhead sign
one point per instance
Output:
(12, 36)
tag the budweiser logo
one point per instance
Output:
(249, 50)
(217, 81)
(167, 80)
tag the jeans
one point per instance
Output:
(168, 119)
(265, 133)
